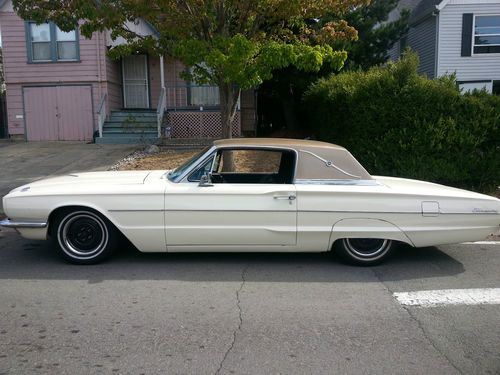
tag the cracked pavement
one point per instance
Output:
(243, 313)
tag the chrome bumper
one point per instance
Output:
(21, 224)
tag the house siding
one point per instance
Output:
(422, 39)
(476, 67)
(92, 69)
(114, 84)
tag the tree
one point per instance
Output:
(376, 35)
(234, 44)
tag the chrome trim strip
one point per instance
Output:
(329, 163)
(338, 182)
(156, 210)
(21, 224)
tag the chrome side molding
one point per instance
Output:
(7, 223)
(338, 182)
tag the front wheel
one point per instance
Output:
(84, 237)
(364, 251)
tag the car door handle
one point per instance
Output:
(285, 197)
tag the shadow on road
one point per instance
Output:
(25, 259)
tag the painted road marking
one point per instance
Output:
(433, 298)
(482, 243)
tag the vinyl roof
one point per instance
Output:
(316, 160)
(275, 142)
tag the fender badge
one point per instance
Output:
(484, 211)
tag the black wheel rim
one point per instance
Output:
(82, 235)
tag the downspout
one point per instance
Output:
(436, 46)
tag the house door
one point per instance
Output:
(135, 81)
(58, 113)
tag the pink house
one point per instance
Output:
(62, 86)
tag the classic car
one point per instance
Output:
(258, 195)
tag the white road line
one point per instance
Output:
(482, 243)
(432, 298)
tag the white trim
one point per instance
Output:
(465, 2)
(474, 15)
(442, 4)
(481, 243)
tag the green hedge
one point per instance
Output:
(399, 123)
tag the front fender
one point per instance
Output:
(367, 228)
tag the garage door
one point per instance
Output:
(58, 113)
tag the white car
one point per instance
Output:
(261, 195)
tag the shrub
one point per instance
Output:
(399, 123)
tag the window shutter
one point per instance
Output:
(467, 34)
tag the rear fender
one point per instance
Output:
(367, 228)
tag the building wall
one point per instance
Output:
(475, 67)
(422, 39)
(114, 84)
(92, 69)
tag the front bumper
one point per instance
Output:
(7, 223)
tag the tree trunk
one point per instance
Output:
(229, 95)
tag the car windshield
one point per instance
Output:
(172, 176)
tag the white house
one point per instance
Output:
(455, 36)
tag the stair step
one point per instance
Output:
(130, 134)
(126, 140)
(133, 114)
(119, 125)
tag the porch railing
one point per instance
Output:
(101, 113)
(160, 110)
(192, 96)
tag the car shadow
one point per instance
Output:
(25, 259)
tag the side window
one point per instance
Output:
(487, 34)
(47, 43)
(203, 169)
(40, 41)
(254, 166)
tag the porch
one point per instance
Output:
(152, 102)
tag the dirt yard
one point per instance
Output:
(161, 160)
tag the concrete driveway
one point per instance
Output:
(21, 163)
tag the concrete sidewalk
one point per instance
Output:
(23, 162)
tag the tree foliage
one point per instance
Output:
(234, 44)
(376, 35)
(399, 123)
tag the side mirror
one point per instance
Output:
(206, 180)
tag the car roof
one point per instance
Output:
(317, 160)
(275, 142)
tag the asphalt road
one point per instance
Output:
(243, 313)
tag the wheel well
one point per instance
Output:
(60, 210)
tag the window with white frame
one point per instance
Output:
(48, 43)
(487, 34)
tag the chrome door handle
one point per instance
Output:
(285, 197)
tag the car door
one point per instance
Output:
(248, 207)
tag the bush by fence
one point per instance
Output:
(402, 124)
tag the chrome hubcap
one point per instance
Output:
(366, 248)
(82, 235)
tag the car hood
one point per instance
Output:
(89, 178)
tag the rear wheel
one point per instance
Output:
(364, 251)
(84, 236)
